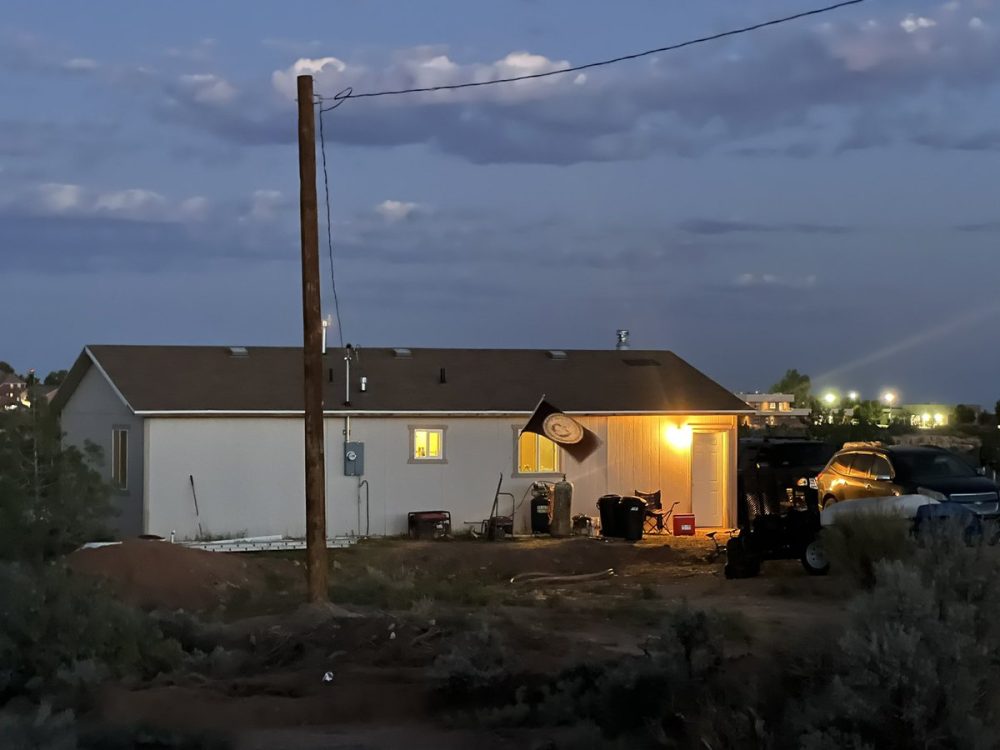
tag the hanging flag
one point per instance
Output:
(548, 421)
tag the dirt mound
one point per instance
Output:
(158, 574)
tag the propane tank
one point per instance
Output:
(562, 509)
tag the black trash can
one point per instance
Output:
(607, 506)
(631, 512)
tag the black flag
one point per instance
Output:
(563, 430)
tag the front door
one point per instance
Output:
(707, 478)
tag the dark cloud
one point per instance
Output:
(985, 226)
(685, 103)
(720, 226)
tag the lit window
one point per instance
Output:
(428, 444)
(119, 458)
(784, 406)
(536, 454)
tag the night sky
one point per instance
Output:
(821, 195)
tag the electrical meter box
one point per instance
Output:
(354, 459)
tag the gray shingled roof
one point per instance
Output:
(210, 378)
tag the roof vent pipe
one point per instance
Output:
(348, 353)
(622, 339)
(364, 384)
(444, 376)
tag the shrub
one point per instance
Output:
(478, 663)
(915, 667)
(855, 544)
(679, 689)
(61, 635)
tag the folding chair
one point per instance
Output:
(652, 522)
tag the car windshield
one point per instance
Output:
(802, 454)
(932, 465)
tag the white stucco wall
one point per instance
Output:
(248, 472)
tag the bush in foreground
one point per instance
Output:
(916, 666)
(60, 635)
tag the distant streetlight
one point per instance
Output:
(853, 395)
(830, 398)
(889, 397)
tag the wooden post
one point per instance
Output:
(312, 353)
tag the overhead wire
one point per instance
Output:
(329, 231)
(348, 93)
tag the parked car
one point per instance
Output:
(776, 475)
(872, 470)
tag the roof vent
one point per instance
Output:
(641, 362)
(556, 354)
(238, 351)
(402, 353)
(622, 343)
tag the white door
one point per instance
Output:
(707, 491)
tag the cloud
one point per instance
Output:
(686, 103)
(56, 199)
(393, 211)
(751, 280)
(207, 88)
(983, 226)
(266, 206)
(722, 226)
(200, 51)
(81, 64)
(912, 24)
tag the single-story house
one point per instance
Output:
(208, 440)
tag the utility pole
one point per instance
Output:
(312, 349)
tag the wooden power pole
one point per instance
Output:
(312, 354)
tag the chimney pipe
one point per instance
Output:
(622, 339)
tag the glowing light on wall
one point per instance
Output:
(679, 438)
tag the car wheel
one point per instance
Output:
(814, 558)
(828, 501)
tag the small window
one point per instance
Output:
(119, 458)
(536, 454)
(427, 444)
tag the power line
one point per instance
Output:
(329, 231)
(348, 93)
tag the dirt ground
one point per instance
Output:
(397, 605)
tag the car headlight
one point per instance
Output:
(802, 482)
(932, 494)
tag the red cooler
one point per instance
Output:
(683, 524)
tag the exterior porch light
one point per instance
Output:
(679, 438)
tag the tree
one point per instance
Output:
(52, 498)
(996, 411)
(56, 377)
(5, 368)
(965, 414)
(868, 412)
(795, 383)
